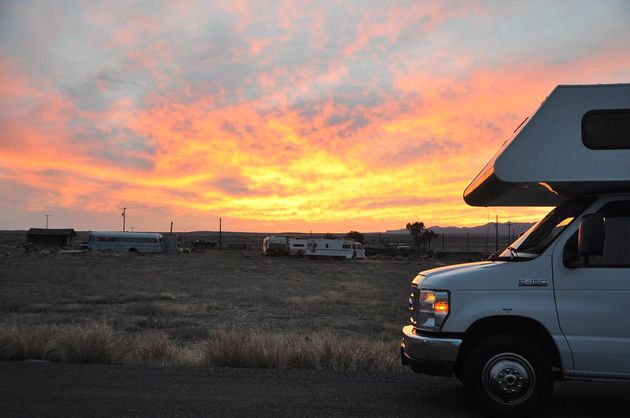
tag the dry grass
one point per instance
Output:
(161, 309)
(320, 351)
(98, 343)
(17, 343)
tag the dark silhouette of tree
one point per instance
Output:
(356, 236)
(416, 229)
(329, 236)
(421, 237)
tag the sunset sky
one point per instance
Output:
(279, 115)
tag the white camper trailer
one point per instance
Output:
(275, 246)
(337, 248)
(555, 304)
(297, 246)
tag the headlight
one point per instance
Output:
(432, 310)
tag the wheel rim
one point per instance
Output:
(508, 378)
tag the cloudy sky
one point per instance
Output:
(278, 115)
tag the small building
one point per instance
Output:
(57, 237)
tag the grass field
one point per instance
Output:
(230, 308)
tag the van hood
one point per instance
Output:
(483, 275)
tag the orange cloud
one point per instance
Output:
(282, 117)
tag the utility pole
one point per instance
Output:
(220, 233)
(509, 232)
(496, 240)
(488, 233)
(124, 216)
(132, 229)
(46, 220)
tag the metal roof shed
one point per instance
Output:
(43, 236)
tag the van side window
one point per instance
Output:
(616, 242)
(606, 129)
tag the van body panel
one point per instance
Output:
(593, 308)
(497, 289)
(489, 289)
(490, 275)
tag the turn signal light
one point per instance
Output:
(441, 307)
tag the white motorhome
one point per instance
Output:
(275, 246)
(143, 242)
(555, 303)
(338, 248)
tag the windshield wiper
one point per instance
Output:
(513, 253)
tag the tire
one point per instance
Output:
(133, 250)
(522, 382)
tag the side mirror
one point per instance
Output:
(591, 235)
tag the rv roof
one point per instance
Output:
(119, 234)
(547, 161)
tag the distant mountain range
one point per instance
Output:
(516, 227)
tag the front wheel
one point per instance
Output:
(508, 375)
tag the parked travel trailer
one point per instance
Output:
(275, 246)
(339, 248)
(297, 246)
(142, 242)
(555, 304)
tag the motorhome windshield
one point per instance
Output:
(537, 239)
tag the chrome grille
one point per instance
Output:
(413, 305)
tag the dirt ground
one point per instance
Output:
(188, 296)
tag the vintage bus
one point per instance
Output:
(142, 242)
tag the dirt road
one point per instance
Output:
(48, 389)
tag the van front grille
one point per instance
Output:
(413, 305)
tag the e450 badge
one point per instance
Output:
(532, 283)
